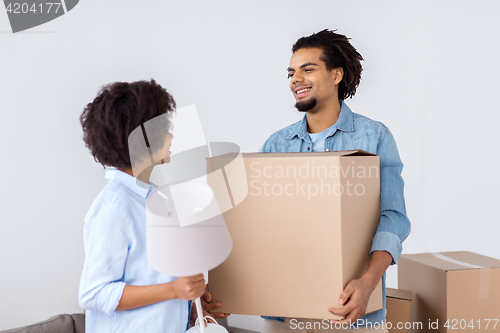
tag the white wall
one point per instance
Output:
(431, 75)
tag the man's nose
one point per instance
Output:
(296, 78)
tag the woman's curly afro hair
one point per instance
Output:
(117, 110)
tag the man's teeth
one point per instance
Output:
(303, 90)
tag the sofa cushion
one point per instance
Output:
(58, 324)
(79, 320)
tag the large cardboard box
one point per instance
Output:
(398, 305)
(303, 231)
(452, 291)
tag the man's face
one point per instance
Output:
(312, 85)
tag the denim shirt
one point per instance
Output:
(354, 131)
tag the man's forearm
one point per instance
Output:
(379, 263)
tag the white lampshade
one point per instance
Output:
(186, 233)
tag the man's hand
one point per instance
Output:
(189, 287)
(206, 303)
(355, 299)
(357, 292)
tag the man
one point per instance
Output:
(325, 69)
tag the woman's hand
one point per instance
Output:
(189, 287)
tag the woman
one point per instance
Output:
(119, 289)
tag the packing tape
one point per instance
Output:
(484, 274)
(458, 262)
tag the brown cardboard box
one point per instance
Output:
(398, 305)
(459, 290)
(301, 234)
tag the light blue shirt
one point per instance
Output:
(115, 255)
(318, 139)
(354, 131)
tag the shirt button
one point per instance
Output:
(308, 148)
(327, 149)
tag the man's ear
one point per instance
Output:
(337, 74)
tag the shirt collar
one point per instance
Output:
(135, 185)
(345, 123)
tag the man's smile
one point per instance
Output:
(302, 91)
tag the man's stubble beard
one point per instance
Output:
(305, 106)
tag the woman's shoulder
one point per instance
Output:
(114, 200)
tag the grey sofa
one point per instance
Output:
(75, 323)
(64, 323)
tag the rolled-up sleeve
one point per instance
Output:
(394, 224)
(106, 249)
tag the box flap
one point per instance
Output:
(354, 152)
(460, 260)
(399, 294)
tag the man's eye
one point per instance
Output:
(290, 75)
(308, 70)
